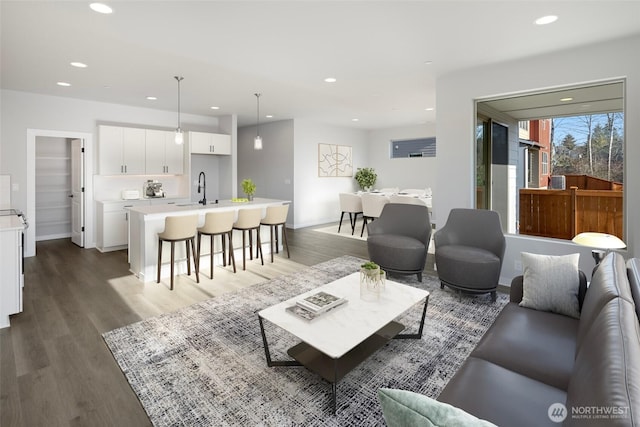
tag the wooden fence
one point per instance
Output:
(586, 182)
(564, 213)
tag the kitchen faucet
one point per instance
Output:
(203, 187)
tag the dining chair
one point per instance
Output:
(218, 224)
(352, 204)
(179, 229)
(372, 205)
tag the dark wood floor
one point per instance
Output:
(55, 369)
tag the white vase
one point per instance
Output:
(371, 284)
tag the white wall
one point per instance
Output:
(287, 167)
(416, 172)
(456, 125)
(22, 111)
(316, 198)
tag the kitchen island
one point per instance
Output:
(145, 222)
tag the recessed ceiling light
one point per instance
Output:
(428, 109)
(65, 84)
(330, 80)
(566, 99)
(544, 20)
(355, 120)
(78, 64)
(428, 62)
(151, 98)
(100, 8)
(269, 116)
(215, 108)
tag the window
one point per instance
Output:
(583, 143)
(420, 147)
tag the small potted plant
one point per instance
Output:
(249, 188)
(371, 281)
(366, 178)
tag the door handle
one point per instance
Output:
(71, 195)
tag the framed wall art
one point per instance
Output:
(335, 160)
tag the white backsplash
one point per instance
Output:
(110, 187)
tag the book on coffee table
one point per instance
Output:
(320, 302)
(309, 315)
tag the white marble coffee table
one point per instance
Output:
(339, 340)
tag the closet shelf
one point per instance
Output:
(45, 208)
(52, 158)
(51, 223)
(41, 189)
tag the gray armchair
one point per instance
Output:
(469, 251)
(398, 240)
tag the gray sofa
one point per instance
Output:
(529, 360)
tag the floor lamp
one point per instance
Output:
(603, 242)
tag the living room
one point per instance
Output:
(290, 145)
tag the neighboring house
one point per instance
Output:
(535, 136)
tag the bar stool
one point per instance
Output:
(179, 229)
(218, 224)
(276, 216)
(249, 220)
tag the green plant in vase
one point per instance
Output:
(371, 281)
(366, 178)
(249, 188)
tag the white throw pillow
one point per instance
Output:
(551, 283)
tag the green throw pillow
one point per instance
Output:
(403, 408)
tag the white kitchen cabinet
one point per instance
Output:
(11, 268)
(121, 150)
(163, 155)
(210, 143)
(113, 224)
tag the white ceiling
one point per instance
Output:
(588, 99)
(228, 50)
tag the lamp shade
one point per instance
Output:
(179, 137)
(599, 240)
(257, 143)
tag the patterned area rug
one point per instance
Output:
(205, 365)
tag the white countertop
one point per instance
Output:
(10, 223)
(143, 199)
(196, 207)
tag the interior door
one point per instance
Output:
(77, 192)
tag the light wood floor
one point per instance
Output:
(55, 369)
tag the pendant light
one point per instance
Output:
(257, 142)
(179, 138)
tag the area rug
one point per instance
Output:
(345, 230)
(205, 365)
